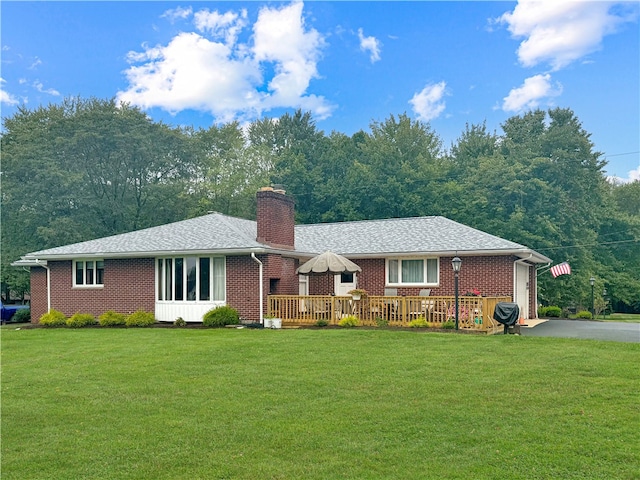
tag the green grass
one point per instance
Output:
(620, 317)
(315, 404)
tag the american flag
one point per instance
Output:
(561, 269)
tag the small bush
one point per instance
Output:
(221, 316)
(449, 325)
(111, 318)
(140, 319)
(349, 321)
(22, 316)
(382, 322)
(584, 314)
(322, 323)
(53, 318)
(79, 320)
(419, 322)
(551, 311)
(180, 322)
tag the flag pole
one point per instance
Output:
(547, 267)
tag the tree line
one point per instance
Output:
(88, 168)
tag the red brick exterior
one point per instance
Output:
(276, 219)
(533, 292)
(128, 286)
(243, 282)
(493, 276)
(38, 293)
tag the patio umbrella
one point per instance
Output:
(328, 262)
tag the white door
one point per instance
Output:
(303, 289)
(303, 285)
(522, 289)
(344, 282)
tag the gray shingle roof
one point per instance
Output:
(399, 235)
(220, 233)
(213, 232)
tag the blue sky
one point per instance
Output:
(447, 63)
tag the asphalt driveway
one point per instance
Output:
(588, 329)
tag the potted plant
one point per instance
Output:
(357, 293)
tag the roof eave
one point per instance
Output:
(528, 254)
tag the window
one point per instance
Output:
(413, 271)
(88, 273)
(191, 279)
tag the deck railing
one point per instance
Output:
(475, 313)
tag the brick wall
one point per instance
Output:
(533, 290)
(128, 286)
(243, 284)
(38, 293)
(493, 276)
(275, 217)
(129, 283)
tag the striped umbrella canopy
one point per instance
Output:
(328, 262)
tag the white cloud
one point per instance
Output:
(35, 64)
(226, 26)
(529, 95)
(634, 176)
(192, 72)
(428, 104)
(178, 13)
(40, 87)
(280, 37)
(371, 45)
(227, 78)
(560, 32)
(6, 97)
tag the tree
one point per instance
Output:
(85, 169)
(397, 163)
(228, 171)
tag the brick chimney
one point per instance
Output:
(275, 218)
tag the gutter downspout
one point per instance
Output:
(44, 265)
(515, 281)
(253, 255)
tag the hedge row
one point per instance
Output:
(217, 317)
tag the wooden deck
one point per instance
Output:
(475, 313)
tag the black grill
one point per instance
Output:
(507, 314)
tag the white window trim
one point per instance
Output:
(426, 283)
(162, 280)
(84, 273)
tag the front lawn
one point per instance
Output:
(620, 317)
(315, 404)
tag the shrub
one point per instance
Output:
(180, 322)
(449, 325)
(53, 318)
(140, 319)
(79, 320)
(382, 322)
(584, 314)
(419, 322)
(22, 316)
(111, 318)
(322, 323)
(551, 311)
(221, 316)
(349, 321)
